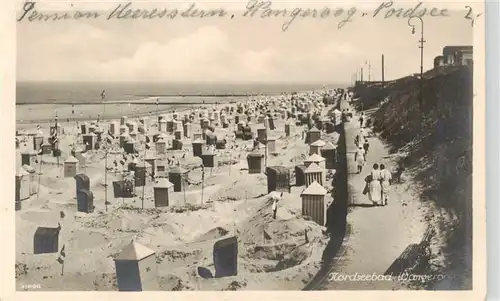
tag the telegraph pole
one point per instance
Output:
(383, 70)
(369, 71)
(421, 46)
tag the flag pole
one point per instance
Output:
(202, 181)
(39, 176)
(103, 97)
(184, 187)
(57, 141)
(106, 179)
(145, 175)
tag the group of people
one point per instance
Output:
(377, 185)
(362, 151)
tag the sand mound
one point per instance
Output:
(215, 233)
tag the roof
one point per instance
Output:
(45, 231)
(315, 158)
(314, 189)
(329, 146)
(301, 167)
(319, 143)
(134, 251)
(143, 164)
(163, 183)
(21, 172)
(208, 152)
(453, 49)
(313, 168)
(71, 159)
(278, 169)
(198, 141)
(177, 169)
(314, 129)
(82, 176)
(255, 155)
(28, 168)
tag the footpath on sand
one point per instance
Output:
(379, 234)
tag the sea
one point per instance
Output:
(87, 92)
(41, 102)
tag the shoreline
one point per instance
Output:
(108, 110)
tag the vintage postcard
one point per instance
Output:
(245, 149)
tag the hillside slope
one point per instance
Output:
(434, 143)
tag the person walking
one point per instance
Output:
(375, 188)
(366, 146)
(361, 119)
(359, 158)
(385, 177)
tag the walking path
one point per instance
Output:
(378, 234)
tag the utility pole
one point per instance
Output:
(383, 70)
(421, 46)
(369, 71)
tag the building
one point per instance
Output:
(89, 140)
(255, 162)
(329, 153)
(315, 158)
(300, 178)
(82, 182)
(208, 158)
(316, 146)
(313, 135)
(22, 184)
(37, 142)
(129, 146)
(313, 203)
(176, 176)
(46, 240)
(136, 268)
(70, 167)
(262, 135)
(225, 256)
(161, 147)
(458, 55)
(271, 145)
(85, 200)
(29, 158)
(278, 179)
(439, 61)
(197, 147)
(314, 173)
(162, 192)
(142, 169)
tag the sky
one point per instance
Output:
(237, 50)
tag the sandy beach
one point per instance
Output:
(183, 234)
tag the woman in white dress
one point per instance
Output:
(359, 157)
(375, 191)
(385, 177)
